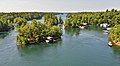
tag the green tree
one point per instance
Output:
(20, 21)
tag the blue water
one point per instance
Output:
(87, 47)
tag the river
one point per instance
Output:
(87, 47)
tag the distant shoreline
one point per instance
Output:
(57, 11)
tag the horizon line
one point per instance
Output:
(60, 11)
(70, 11)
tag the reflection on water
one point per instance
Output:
(94, 28)
(3, 35)
(72, 31)
(89, 48)
(33, 49)
(116, 51)
(76, 31)
(39, 55)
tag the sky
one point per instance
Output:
(57, 5)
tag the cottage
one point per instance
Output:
(47, 41)
(84, 24)
(49, 38)
(81, 27)
(104, 25)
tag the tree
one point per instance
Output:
(114, 35)
(36, 32)
(107, 10)
(50, 19)
(20, 21)
(60, 20)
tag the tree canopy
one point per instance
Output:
(114, 35)
(75, 19)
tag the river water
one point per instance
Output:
(87, 47)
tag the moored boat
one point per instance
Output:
(110, 44)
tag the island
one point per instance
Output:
(49, 31)
(114, 35)
(37, 32)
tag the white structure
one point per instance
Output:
(47, 41)
(105, 25)
(49, 38)
(84, 23)
(110, 44)
(108, 29)
(81, 27)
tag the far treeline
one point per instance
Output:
(7, 19)
(75, 19)
(112, 17)
(34, 32)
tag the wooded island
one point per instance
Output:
(49, 31)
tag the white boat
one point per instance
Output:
(108, 28)
(49, 38)
(47, 41)
(110, 44)
(84, 23)
(104, 25)
(81, 27)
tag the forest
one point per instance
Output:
(38, 32)
(110, 17)
(49, 31)
(7, 20)
(34, 32)
(75, 19)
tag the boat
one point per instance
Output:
(110, 44)
(108, 29)
(81, 27)
(47, 41)
(84, 24)
(49, 38)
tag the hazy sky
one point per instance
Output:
(57, 5)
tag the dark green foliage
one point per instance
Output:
(5, 24)
(75, 19)
(50, 19)
(9, 20)
(20, 21)
(115, 34)
(60, 20)
(36, 32)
